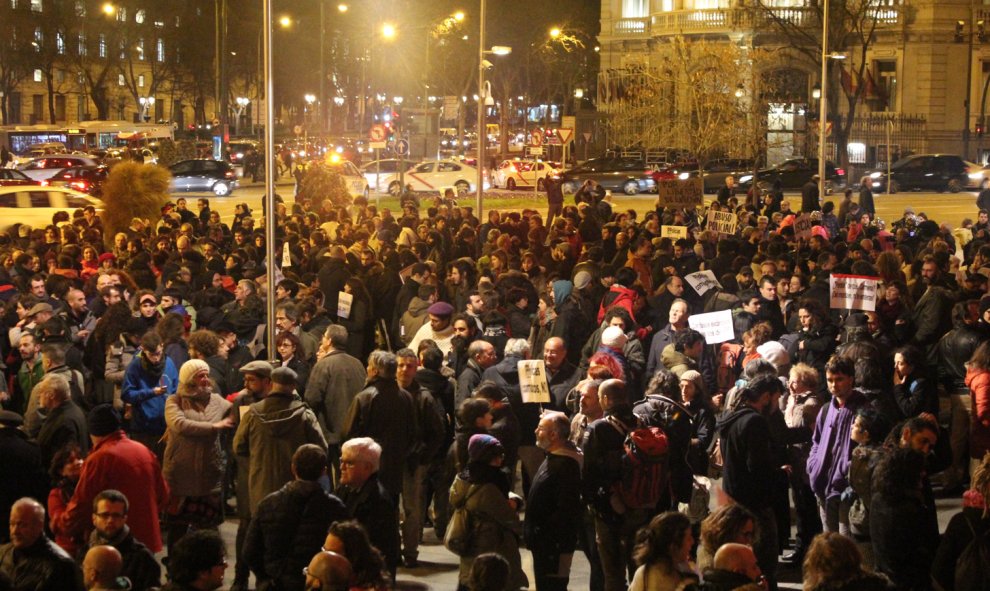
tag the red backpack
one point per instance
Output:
(645, 466)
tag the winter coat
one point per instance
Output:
(978, 382)
(917, 394)
(193, 464)
(23, 473)
(954, 350)
(618, 296)
(413, 318)
(374, 508)
(467, 381)
(505, 374)
(148, 408)
(603, 451)
(270, 432)
(958, 534)
(430, 416)
(290, 527)
(561, 383)
(903, 543)
(118, 462)
(746, 455)
(139, 564)
(676, 361)
(332, 276)
(554, 499)
(865, 581)
(64, 424)
(819, 344)
(386, 413)
(119, 357)
(497, 527)
(333, 383)
(43, 566)
(831, 447)
(675, 420)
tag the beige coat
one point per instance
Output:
(194, 462)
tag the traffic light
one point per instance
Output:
(979, 129)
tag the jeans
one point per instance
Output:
(413, 495)
(835, 516)
(551, 567)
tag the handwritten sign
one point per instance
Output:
(286, 255)
(853, 292)
(723, 222)
(802, 226)
(716, 326)
(344, 302)
(681, 193)
(533, 383)
(673, 232)
(702, 281)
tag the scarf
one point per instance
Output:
(154, 370)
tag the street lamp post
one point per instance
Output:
(146, 104)
(481, 113)
(307, 119)
(242, 103)
(823, 106)
(269, 199)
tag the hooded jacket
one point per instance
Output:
(414, 317)
(831, 447)
(268, 435)
(138, 390)
(747, 463)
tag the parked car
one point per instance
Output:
(436, 175)
(35, 206)
(380, 172)
(15, 178)
(45, 166)
(85, 179)
(204, 175)
(357, 185)
(794, 174)
(516, 173)
(932, 172)
(629, 175)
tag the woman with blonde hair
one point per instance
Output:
(833, 563)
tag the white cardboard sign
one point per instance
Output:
(723, 222)
(673, 232)
(344, 302)
(533, 384)
(702, 281)
(716, 326)
(853, 292)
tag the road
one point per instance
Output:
(941, 207)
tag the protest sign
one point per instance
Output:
(702, 281)
(286, 255)
(344, 301)
(679, 193)
(853, 292)
(802, 226)
(533, 383)
(716, 326)
(723, 222)
(673, 232)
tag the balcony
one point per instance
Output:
(726, 20)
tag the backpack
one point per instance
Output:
(973, 565)
(460, 529)
(645, 466)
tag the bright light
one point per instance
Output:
(243, 101)
(109, 8)
(739, 91)
(554, 33)
(501, 49)
(579, 93)
(285, 22)
(334, 158)
(310, 98)
(397, 100)
(342, 7)
(388, 31)
(338, 100)
(459, 16)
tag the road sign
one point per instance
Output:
(566, 135)
(587, 136)
(401, 147)
(297, 130)
(377, 133)
(536, 151)
(216, 123)
(568, 121)
(536, 138)
(378, 145)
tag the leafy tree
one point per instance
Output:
(131, 191)
(323, 182)
(15, 65)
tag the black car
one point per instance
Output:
(204, 175)
(931, 172)
(85, 179)
(793, 174)
(629, 175)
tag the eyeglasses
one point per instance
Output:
(109, 515)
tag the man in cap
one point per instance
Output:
(439, 329)
(20, 463)
(40, 313)
(31, 561)
(119, 463)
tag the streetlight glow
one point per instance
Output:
(388, 31)
(285, 22)
(501, 49)
(342, 7)
(459, 16)
(554, 32)
(109, 8)
(310, 98)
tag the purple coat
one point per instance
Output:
(831, 447)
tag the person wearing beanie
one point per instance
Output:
(776, 354)
(194, 462)
(149, 380)
(439, 329)
(117, 462)
(483, 489)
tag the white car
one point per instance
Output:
(380, 172)
(512, 174)
(357, 185)
(45, 166)
(436, 175)
(35, 206)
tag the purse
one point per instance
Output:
(460, 529)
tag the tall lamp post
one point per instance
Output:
(242, 103)
(146, 104)
(269, 198)
(482, 100)
(823, 106)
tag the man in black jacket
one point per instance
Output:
(32, 562)
(481, 356)
(748, 465)
(553, 503)
(332, 276)
(65, 422)
(110, 529)
(20, 463)
(809, 195)
(290, 524)
(505, 374)
(562, 376)
(734, 566)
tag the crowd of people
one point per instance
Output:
(143, 404)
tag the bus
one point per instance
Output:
(83, 136)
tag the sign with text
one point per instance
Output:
(681, 193)
(853, 292)
(673, 232)
(702, 281)
(802, 226)
(533, 384)
(723, 222)
(716, 326)
(344, 302)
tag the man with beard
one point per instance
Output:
(932, 312)
(110, 529)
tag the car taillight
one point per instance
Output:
(81, 185)
(229, 174)
(840, 171)
(44, 183)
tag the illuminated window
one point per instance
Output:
(635, 8)
(37, 76)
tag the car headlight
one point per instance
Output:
(684, 176)
(876, 175)
(976, 176)
(745, 178)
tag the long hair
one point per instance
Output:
(981, 357)
(832, 558)
(657, 540)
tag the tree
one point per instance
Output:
(14, 61)
(168, 152)
(323, 182)
(852, 25)
(131, 191)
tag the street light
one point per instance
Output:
(242, 103)
(108, 9)
(342, 8)
(146, 103)
(816, 92)
(285, 22)
(388, 31)
(496, 50)
(554, 32)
